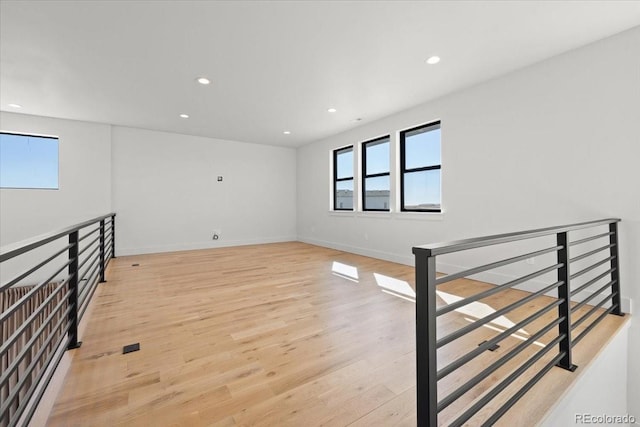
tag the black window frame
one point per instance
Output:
(434, 125)
(336, 152)
(363, 149)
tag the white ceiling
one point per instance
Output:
(274, 66)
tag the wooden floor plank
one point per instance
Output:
(270, 335)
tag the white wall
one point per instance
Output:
(167, 197)
(84, 190)
(85, 179)
(551, 144)
(583, 398)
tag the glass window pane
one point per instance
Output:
(422, 190)
(377, 157)
(422, 148)
(344, 165)
(344, 195)
(376, 193)
(28, 161)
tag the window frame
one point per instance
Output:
(35, 135)
(402, 140)
(336, 152)
(364, 175)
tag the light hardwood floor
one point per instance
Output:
(269, 335)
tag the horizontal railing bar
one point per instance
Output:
(493, 265)
(92, 254)
(88, 245)
(588, 239)
(523, 390)
(593, 252)
(456, 394)
(107, 242)
(593, 310)
(88, 234)
(23, 246)
(25, 274)
(35, 382)
(592, 296)
(26, 297)
(463, 360)
(27, 372)
(591, 267)
(95, 264)
(461, 245)
(89, 284)
(484, 320)
(491, 394)
(45, 380)
(27, 323)
(28, 346)
(453, 306)
(591, 282)
(84, 305)
(593, 324)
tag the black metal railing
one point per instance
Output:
(52, 280)
(465, 361)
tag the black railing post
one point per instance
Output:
(426, 362)
(102, 251)
(113, 236)
(73, 291)
(615, 270)
(564, 309)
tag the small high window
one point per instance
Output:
(343, 179)
(420, 169)
(376, 185)
(28, 161)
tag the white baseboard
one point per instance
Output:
(386, 256)
(200, 245)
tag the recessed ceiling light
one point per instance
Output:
(287, 132)
(184, 116)
(433, 60)
(203, 80)
(332, 110)
(15, 105)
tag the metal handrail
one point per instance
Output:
(428, 373)
(478, 242)
(18, 248)
(57, 327)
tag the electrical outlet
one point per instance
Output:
(531, 261)
(216, 235)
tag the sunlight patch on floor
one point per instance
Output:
(477, 310)
(345, 271)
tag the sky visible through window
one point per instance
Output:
(28, 161)
(378, 162)
(345, 164)
(422, 188)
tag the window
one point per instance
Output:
(376, 184)
(28, 161)
(420, 168)
(343, 179)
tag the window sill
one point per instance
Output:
(411, 216)
(342, 213)
(420, 216)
